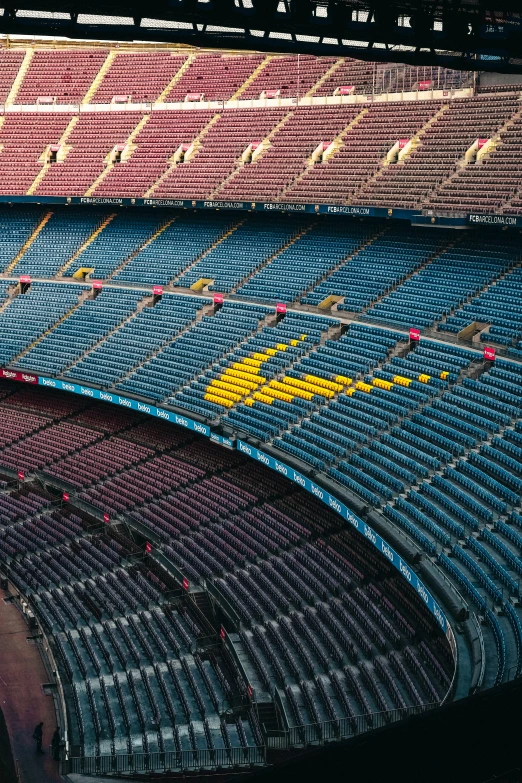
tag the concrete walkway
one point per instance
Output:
(22, 699)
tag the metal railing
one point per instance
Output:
(342, 728)
(168, 761)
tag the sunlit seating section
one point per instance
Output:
(64, 75)
(24, 140)
(140, 76)
(217, 76)
(87, 324)
(297, 268)
(178, 247)
(459, 272)
(382, 263)
(252, 244)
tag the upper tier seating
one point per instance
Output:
(291, 148)
(441, 147)
(486, 185)
(11, 60)
(362, 151)
(24, 139)
(216, 76)
(152, 138)
(91, 141)
(141, 76)
(221, 146)
(292, 76)
(155, 144)
(64, 75)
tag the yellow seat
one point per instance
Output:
(219, 400)
(249, 369)
(399, 379)
(239, 382)
(298, 384)
(228, 395)
(261, 398)
(424, 378)
(382, 384)
(343, 380)
(250, 362)
(305, 395)
(365, 387)
(260, 357)
(228, 387)
(277, 393)
(314, 379)
(245, 376)
(444, 375)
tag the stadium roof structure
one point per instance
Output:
(470, 34)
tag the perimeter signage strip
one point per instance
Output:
(412, 215)
(266, 459)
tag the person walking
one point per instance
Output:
(55, 744)
(37, 735)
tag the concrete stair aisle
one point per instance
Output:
(140, 249)
(415, 141)
(175, 79)
(171, 164)
(474, 296)
(332, 332)
(337, 145)
(26, 62)
(239, 163)
(255, 73)
(81, 299)
(85, 245)
(12, 292)
(331, 70)
(423, 265)
(491, 146)
(100, 76)
(27, 244)
(46, 166)
(145, 302)
(296, 303)
(205, 310)
(190, 267)
(275, 255)
(110, 165)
